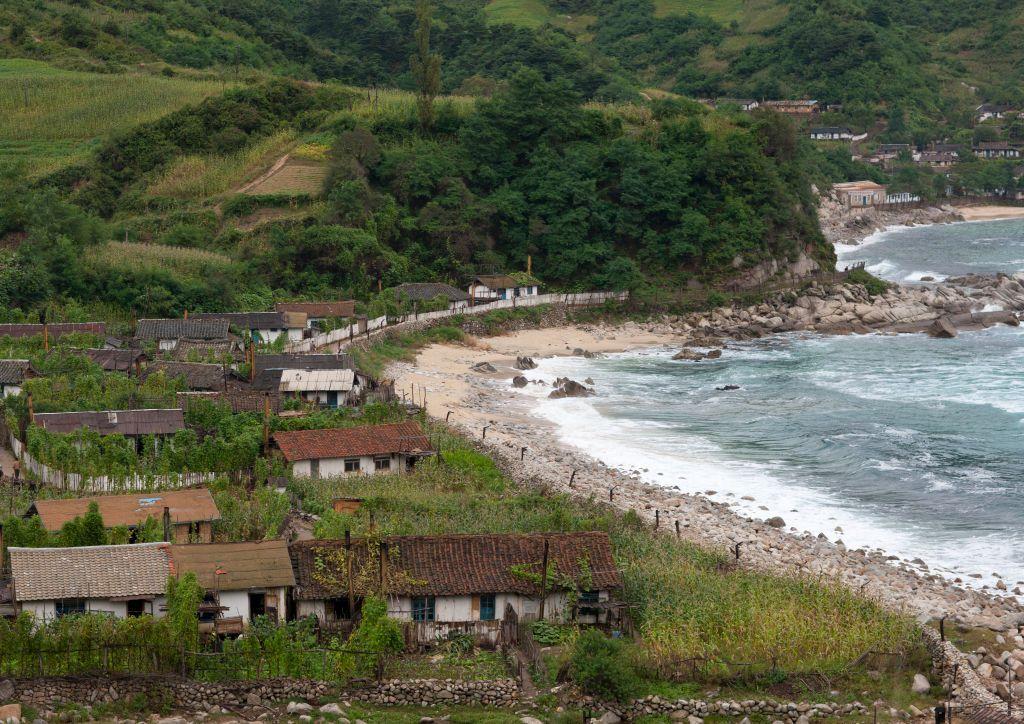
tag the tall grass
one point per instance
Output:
(686, 602)
(51, 116)
(194, 263)
(198, 177)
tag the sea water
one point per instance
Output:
(906, 443)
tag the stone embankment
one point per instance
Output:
(841, 225)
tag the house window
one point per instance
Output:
(487, 607)
(351, 465)
(589, 597)
(382, 463)
(314, 468)
(134, 609)
(70, 606)
(423, 608)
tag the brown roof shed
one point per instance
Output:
(114, 422)
(236, 566)
(187, 506)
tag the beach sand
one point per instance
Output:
(990, 213)
(471, 400)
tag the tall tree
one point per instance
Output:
(426, 66)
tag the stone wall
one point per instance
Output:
(972, 698)
(781, 711)
(193, 695)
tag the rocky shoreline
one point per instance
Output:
(768, 545)
(842, 225)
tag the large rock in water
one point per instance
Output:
(942, 328)
(570, 388)
(525, 363)
(689, 355)
(519, 381)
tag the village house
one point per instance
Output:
(831, 133)
(228, 350)
(55, 331)
(186, 516)
(428, 291)
(996, 149)
(121, 580)
(365, 450)
(460, 583)
(794, 108)
(326, 388)
(239, 400)
(241, 581)
(133, 424)
(318, 312)
(490, 287)
(858, 194)
(167, 333)
(117, 360)
(744, 104)
(988, 111)
(263, 327)
(197, 375)
(938, 159)
(13, 373)
(336, 381)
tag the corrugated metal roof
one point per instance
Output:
(259, 564)
(317, 380)
(46, 574)
(114, 422)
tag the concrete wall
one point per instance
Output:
(335, 467)
(47, 610)
(8, 390)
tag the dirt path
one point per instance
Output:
(278, 165)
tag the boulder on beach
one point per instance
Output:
(776, 522)
(570, 388)
(689, 355)
(942, 328)
(520, 381)
(525, 363)
(714, 354)
(484, 367)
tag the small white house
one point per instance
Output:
(364, 450)
(327, 388)
(317, 312)
(832, 133)
(489, 288)
(122, 580)
(241, 580)
(12, 375)
(264, 327)
(166, 333)
(461, 583)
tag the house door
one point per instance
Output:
(314, 468)
(257, 604)
(332, 399)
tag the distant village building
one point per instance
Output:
(938, 159)
(317, 312)
(13, 373)
(365, 450)
(794, 108)
(197, 375)
(988, 111)
(117, 360)
(428, 291)
(187, 515)
(121, 580)
(264, 327)
(996, 149)
(462, 583)
(832, 133)
(327, 388)
(491, 287)
(133, 424)
(744, 104)
(329, 380)
(167, 333)
(858, 194)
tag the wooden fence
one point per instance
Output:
(78, 482)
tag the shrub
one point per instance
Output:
(602, 667)
(873, 284)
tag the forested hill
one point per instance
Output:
(920, 65)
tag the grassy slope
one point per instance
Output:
(67, 112)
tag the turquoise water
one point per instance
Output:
(911, 444)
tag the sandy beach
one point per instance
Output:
(990, 213)
(471, 400)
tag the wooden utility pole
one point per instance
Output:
(348, 574)
(266, 423)
(544, 579)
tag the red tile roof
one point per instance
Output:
(454, 565)
(342, 442)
